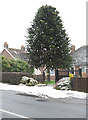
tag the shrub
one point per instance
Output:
(19, 65)
(63, 84)
(28, 81)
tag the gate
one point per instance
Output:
(65, 73)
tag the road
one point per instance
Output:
(18, 105)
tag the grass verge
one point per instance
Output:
(50, 82)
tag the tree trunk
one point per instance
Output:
(56, 75)
(43, 77)
(48, 74)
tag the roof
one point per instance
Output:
(17, 53)
(80, 56)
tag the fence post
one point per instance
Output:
(48, 74)
(56, 75)
(72, 87)
(80, 72)
(73, 72)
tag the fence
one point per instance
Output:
(79, 84)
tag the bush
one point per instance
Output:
(28, 81)
(19, 65)
(63, 84)
(5, 64)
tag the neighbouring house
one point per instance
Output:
(80, 59)
(12, 53)
(61, 72)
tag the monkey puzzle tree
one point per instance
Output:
(47, 41)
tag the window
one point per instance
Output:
(83, 69)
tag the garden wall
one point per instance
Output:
(79, 84)
(15, 77)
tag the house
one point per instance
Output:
(80, 59)
(12, 53)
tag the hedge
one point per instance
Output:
(15, 77)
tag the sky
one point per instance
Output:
(16, 16)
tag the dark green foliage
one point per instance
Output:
(47, 41)
(5, 64)
(16, 66)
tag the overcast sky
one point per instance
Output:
(17, 15)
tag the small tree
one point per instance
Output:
(47, 41)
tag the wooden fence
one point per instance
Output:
(79, 84)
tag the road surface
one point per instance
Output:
(18, 105)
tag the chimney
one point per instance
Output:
(5, 45)
(22, 48)
(72, 48)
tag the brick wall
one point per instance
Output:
(6, 54)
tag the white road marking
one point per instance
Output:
(13, 113)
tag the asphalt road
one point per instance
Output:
(18, 105)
